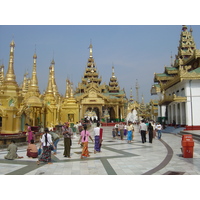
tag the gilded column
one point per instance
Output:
(117, 113)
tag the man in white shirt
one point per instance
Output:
(97, 138)
(159, 128)
(143, 130)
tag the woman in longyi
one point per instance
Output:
(84, 140)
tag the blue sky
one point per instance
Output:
(135, 51)
(136, 38)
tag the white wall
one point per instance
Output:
(192, 106)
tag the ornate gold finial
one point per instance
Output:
(71, 90)
(137, 88)
(53, 62)
(49, 86)
(113, 71)
(10, 76)
(67, 89)
(34, 80)
(34, 56)
(90, 47)
(184, 28)
(54, 85)
(191, 30)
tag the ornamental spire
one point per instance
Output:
(10, 76)
(131, 95)
(113, 71)
(54, 86)
(34, 89)
(113, 84)
(186, 46)
(90, 47)
(49, 89)
(1, 74)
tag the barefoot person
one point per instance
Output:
(12, 151)
(46, 141)
(84, 140)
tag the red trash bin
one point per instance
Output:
(187, 146)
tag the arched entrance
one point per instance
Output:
(92, 114)
(97, 113)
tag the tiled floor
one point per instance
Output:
(117, 158)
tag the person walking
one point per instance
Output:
(159, 128)
(84, 140)
(55, 139)
(97, 138)
(121, 130)
(130, 130)
(143, 130)
(117, 130)
(150, 131)
(154, 130)
(67, 133)
(114, 133)
(30, 135)
(46, 141)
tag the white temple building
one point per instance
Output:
(178, 87)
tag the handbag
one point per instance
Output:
(51, 147)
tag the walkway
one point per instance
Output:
(117, 158)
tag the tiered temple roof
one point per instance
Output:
(185, 66)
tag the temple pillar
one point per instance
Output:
(117, 113)
(169, 114)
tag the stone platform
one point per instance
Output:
(117, 158)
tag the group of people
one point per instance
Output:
(150, 128)
(49, 140)
(83, 140)
(120, 130)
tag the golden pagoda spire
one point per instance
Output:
(49, 89)
(33, 88)
(137, 93)
(54, 86)
(34, 81)
(10, 76)
(67, 89)
(1, 74)
(113, 71)
(113, 84)
(25, 84)
(71, 90)
(90, 47)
